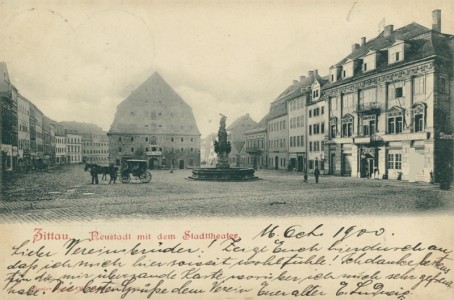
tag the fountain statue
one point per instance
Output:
(222, 147)
(223, 171)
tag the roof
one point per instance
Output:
(381, 42)
(5, 85)
(422, 43)
(154, 108)
(237, 146)
(241, 120)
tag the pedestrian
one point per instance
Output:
(316, 174)
(305, 177)
(113, 173)
(94, 174)
(446, 177)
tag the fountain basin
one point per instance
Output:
(229, 174)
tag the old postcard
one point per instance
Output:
(226, 149)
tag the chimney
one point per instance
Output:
(354, 47)
(295, 82)
(363, 41)
(302, 78)
(436, 20)
(315, 72)
(310, 74)
(388, 30)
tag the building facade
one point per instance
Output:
(154, 123)
(95, 148)
(73, 147)
(236, 136)
(316, 127)
(256, 146)
(9, 132)
(389, 106)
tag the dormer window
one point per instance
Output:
(369, 61)
(315, 94)
(396, 52)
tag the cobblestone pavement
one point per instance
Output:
(66, 194)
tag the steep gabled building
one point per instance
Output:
(156, 124)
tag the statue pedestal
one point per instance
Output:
(223, 161)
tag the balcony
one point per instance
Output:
(153, 153)
(371, 107)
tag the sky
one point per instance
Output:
(77, 61)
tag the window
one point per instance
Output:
(182, 140)
(394, 161)
(172, 139)
(347, 100)
(310, 129)
(398, 162)
(347, 126)
(146, 139)
(310, 113)
(365, 67)
(419, 122)
(419, 85)
(395, 90)
(310, 146)
(322, 127)
(132, 149)
(323, 110)
(132, 139)
(395, 123)
(333, 131)
(390, 161)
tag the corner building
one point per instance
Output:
(390, 106)
(156, 124)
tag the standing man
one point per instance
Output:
(316, 174)
(94, 174)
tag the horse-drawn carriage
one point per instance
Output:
(137, 168)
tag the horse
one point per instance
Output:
(104, 170)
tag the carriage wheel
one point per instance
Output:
(145, 177)
(125, 178)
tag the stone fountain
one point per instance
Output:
(223, 171)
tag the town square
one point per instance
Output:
(372, 120)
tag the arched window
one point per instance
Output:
(418, 117)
